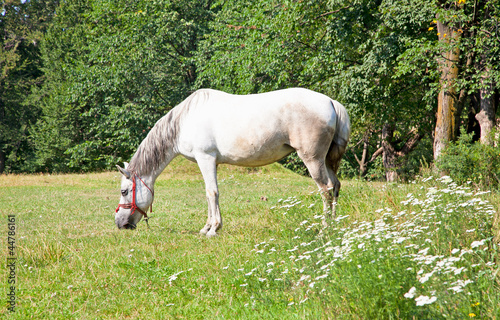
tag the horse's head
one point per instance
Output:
(136, 198)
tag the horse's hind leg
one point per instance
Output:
(334, 187)
(333, 158)
(319, 173)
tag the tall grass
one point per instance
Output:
(433, 260)
(423, 250)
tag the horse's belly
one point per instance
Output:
(251, 154)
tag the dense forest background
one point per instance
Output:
(83, 81)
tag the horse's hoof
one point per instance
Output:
(211, 234)
(205, 229)
(324, 223)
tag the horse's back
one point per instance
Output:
(257, 129)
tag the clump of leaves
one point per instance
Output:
(465, 161)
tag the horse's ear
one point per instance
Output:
(125, 165)
(124, 172)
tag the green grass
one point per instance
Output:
(74, 263)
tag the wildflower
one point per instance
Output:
(423, 300)
(423, 251)
(476, 244)
(459, 270)
(446, 179)
(410, 294)
(472, 315)
(321, 277)
(426, 277)
(431, 28)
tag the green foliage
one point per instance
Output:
(465, 161)
(294, 163)
(412, 164)
(22, 24)
(83, 81)
(477, 25)
(349, 51)
(112, 71)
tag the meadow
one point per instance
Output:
(419, 250)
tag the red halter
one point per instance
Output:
(132, 205)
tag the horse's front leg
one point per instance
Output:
(208, 168)
(207, 226)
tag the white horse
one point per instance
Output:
(212, 127)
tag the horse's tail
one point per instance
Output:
(340, 138)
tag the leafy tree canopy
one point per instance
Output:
(113, 69)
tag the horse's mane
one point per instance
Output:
(162, 138)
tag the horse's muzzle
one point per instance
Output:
(124, 222)
(128, 226)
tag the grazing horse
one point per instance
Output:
(212, 127)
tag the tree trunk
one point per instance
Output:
(447, 100)
(2, 161)
(486, 114)
(389, 153)
(363, 162)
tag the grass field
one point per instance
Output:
(422, 250)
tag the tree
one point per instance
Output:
(347, 50)
(113, 70)
(447, 112)
(462, 61)
(22, 25)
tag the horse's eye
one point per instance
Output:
(124, 192)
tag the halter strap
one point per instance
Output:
(133, 205)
